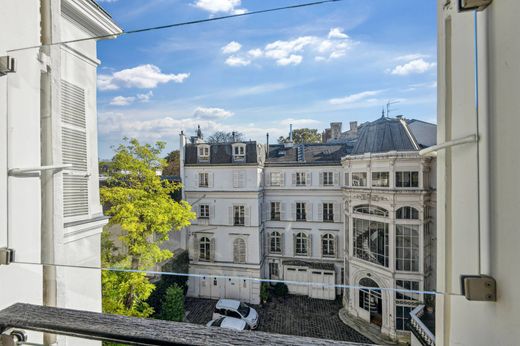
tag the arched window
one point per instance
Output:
(328, 243)
(371, 210)
(407, 213)
(301, 244)
(275, 245)
(204, 249)
(239, 251)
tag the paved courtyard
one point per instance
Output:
(294, 315)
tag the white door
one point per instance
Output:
(323, 285)
(297, 275)
(245, 289)
(329, 279)
(205, 288)
(233, 289)
(316, 278)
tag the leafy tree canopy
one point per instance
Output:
(225, 137)
(304, 135)
(173, 164)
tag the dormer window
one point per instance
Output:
(239, 152)
(203, 153)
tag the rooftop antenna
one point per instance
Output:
(388, 104)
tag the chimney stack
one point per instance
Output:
(267, 146)
(353, 126)
(290, 133)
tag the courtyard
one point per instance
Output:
(293, 315)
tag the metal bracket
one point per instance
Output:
(6, 256)
(481, 288)
(7, 65)
(13, 338)
(37, 170)
(470, 5)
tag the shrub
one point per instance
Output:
(281, 290)
(264, 291)
(173, 304)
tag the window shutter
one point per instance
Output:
(308, 181)
(345, 181)
(321, 245)
(247, 215)
(210, 179)
(321, 178)
(74, 150)
(336, 179)
(236, 179)
(282, 242)
(293, 211)
(230, 213)
(283, 215)
(212, 249)
(268, 242)
(337, 212)
(196, 248)
(294, 244)
(267, 179)
(293, 179)
(309, 245)
(242, 179)
(336, 249)
(320, 212)
(308, 211)
(211, 211)
(267, 211)
(282, 179)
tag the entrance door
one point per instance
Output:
(297, 275)
(204, 287)
(322, 286)
(233, 289)
(371, 301)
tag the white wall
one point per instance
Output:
(459, 321)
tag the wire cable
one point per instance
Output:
(174, 25)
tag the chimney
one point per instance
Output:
(335, 129)
(353, 126)
(267, 146)
(290, 133)
(234, 136)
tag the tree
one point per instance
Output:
(173, 163)
(173, 304)
(138, 202)
(301, 136)
(225, 137)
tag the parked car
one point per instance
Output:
(236, 309)
(229, 323)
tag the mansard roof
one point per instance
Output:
(221, 153)
(384, 135)
(319, 153)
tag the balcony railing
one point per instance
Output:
(419, 329)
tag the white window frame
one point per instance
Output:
(328, 178)
(301, 209)
(301, 179)
(328, 245)
(359, 179)
(274, 209)
(328, 212)
(276, 240)
(239, 152)
(407, 248)
(203, 153)
(205, 249)
(204, 211)
(400, 182)
(239, 220)
(301, 243)
(379, 181)
(203, 179)
(275, 178)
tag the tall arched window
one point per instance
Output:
(204, 249)
(371, 210)
(328, 243)
(301, 244)
(275, 245)
(407, 213)
(239, 251)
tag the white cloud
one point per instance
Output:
(237, 61)
(231, 47)
(220, 6)
(122, 101)
(255, 53)
(260, 89)
(409, 57)
(290, 60)
(414, 66)
(337, 33)
(145, 97)
(211, 113)
(354, 97)
(143, 77)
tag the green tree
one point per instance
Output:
(139, 203)
(225, 137)
(173, 304)
(304, 135)
(173, 164)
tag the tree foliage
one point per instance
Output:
(304, 135)
(173, 304)
(138, 202)
(173, 164)
(225, 137)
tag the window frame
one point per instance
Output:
(379, 177)
(357, 181)
(402, 183)
(204, 211)
(275, 211)
(407, 213)
(407, 248)
(203, 179)
(275, 238)
(301, 179)
(239, 152)
(205, 249)
(203, 153)
(301, 243)
(379, 249)
(240, 218)
(277, 181)
(328, 178)
(328, 241)
(301, 211)
(328, 215)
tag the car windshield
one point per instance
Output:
(218, 322)
(243, 310)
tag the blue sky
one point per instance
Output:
(256, 74)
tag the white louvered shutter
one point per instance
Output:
(196, 248)
(282, 243)
(74, 150)
(308, 211)
(236, 178)
(320, 212)
(267, 211)
(211, 211)
(293, 211)
(210, 179)
(282, 178)
(283, 211)
(267, 178)
(293, 179)
(336, 179)
(294, 244)
(321, 178)
(337, 212)
(308, 181)
(309, 244)
(212, 249)
(242, 179)
(336, 248)
(230, 214)
(247, 215)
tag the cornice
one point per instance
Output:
(90, 17)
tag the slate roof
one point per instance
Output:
(321, 153)
(312, 265)
(384, 135)
(221, 153)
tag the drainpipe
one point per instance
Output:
(47, 178)
(482, 104)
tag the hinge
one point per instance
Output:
(481, 288)
(6, 256)
(469, 5)
(13, 338)
(7, 65)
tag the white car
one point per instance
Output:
(229, 323)
(236, 309)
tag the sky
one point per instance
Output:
(255, 74)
